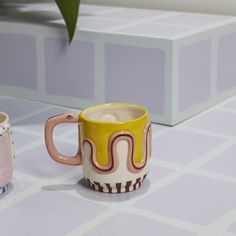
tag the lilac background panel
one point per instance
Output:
(194, 73)
(226, 62)
(18, 62)
(135, 74)
(69, 69)
(131, 224)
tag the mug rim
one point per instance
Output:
(124, 104)
(6, 120)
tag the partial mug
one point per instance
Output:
(6, 153)
(114, 145)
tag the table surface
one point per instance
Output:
(123, 21)
(190, 190)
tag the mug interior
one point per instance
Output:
(114, 113)
(3, 118)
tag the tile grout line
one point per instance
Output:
(28, 178)
(138, 22)
(208, 133)
(225, 221)
(41, 134)
(26, 131)
(205, 27)
(230, 110)
(38, 142)
(8, 202)
(29, 115)
(160, 218)
(191, 170)
(138, 199)
(97, 220)
(203, 159)
(31, 145)
(165, 164)
(161, 133)
(213, 175)
(36, 187)
(173, 176)
(191, 227)
(112, 10)
(120, 206)
(227, 101)
(28, 147)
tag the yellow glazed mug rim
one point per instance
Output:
(83, 116)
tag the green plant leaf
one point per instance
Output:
(70, 11)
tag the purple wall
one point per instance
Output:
(18, 67)
(194, 74)
(136, 75)
(69, 68)
(227, 62)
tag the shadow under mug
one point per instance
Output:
(114, 145)
(6, 153)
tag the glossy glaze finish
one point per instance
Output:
(115, 145)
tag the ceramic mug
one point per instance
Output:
(6, 153)
(114, 145)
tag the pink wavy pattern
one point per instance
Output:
(113, 157)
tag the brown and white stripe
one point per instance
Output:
(117, 187)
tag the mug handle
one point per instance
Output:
(50, 125)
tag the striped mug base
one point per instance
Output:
(128, 186)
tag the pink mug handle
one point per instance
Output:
(50, 125)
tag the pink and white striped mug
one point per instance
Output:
(114, 145)
(6, 153)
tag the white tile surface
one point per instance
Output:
(183, 146)
(95, 9)
(223, 163)
(219, 121)
(134, 21)
(191, 19)
(52, 217)
(86, 23)
(190, 190)
(233, 228)
(138, 225)
(154, 30)
(231, 104)
(133, 14)
(192, 198)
